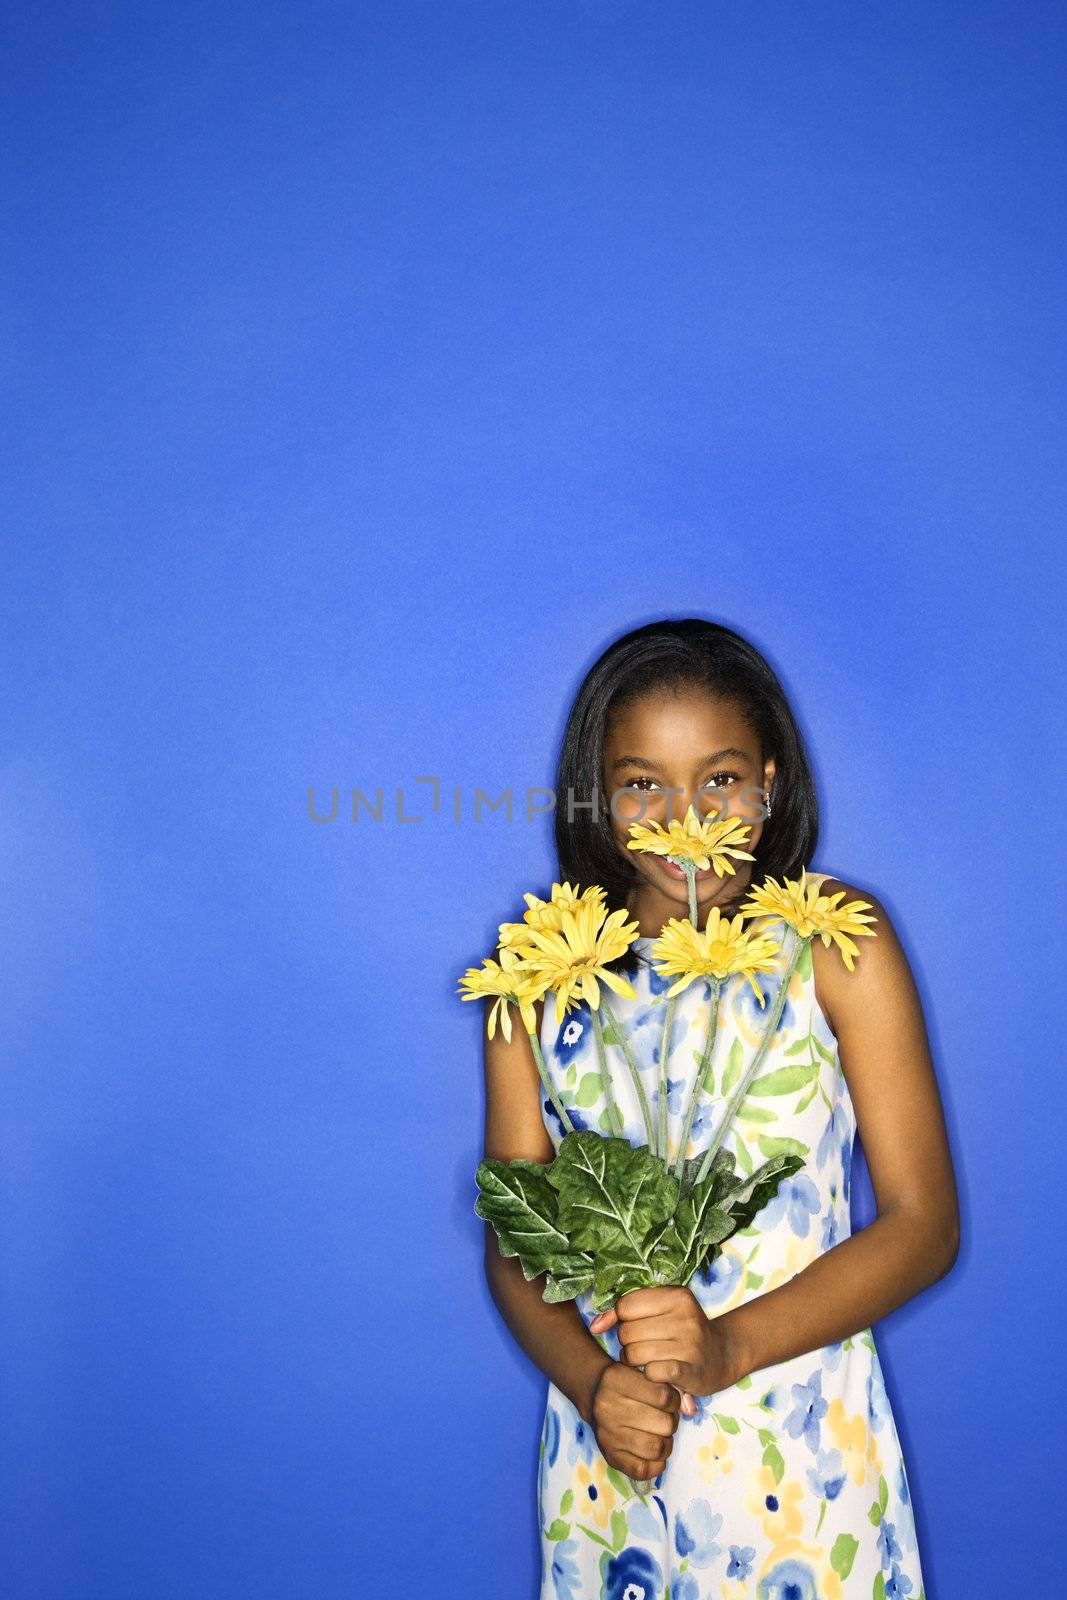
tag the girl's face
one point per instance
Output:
(660, 752)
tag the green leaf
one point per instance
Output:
(750, 1196)
(827, 1055)
(615, 1201)
(803, 966)
(782, 1081)
(753, 1280)
(566, 1502)
(796, 1047)
(745, 1383)
(622, 1484)
(522, 1205)
(875, 1514)
(883, 1495)
(778, 1145)
(749, 1113)
(805, 1100)
(843, 1554)
(878, 1592)
(558, 1530)
(743, 1157)
(765, 1436)
(588, 1090)
(772, 1457)
(618, 1529)
(568, 1281)
(727, 1424)
(734, 1061)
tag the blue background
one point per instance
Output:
(368, 370)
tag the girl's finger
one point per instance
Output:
(604, 1320)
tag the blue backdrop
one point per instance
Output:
(368, 369)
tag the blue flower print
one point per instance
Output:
(694, 1533)
(888, 1547)
(877, 1399)
(836, 1129)
(809, 1405)
(704, 1403)
(674, 1098)
(578, 1119)
(902, 1484)
(658, 985)
(633, 1574)
(827, 1476)
(798, 1198)
(582, 1445)
(644, 1028)
(790, 1579)
(565, 1575)
(741, 1559)
(829, 1227)
(831, 1355)
(720, 1278)
(846, 1166)
(773, 1397)
(551, 1435)
(684, 1585)
(897, 1585)
(574, 1036)
(642, 1522)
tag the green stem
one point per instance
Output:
(614, 1120)
(543, 1070)
(690, 870)
(702, 1072)
(664, 1059)
(628, 1056)
(765, 1043)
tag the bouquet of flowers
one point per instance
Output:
(605, 1214)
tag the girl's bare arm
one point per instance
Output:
(554, 1336)
(876, 1014)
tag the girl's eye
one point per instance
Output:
(727, 777)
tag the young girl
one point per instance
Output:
(753, 1396)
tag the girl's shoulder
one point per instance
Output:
(836, 985)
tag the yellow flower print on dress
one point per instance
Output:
(793, 1567)
(799, 1254)
(594, 1495)
(776, 1504)
(716, 1458)
(851, 1435)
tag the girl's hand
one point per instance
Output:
(634, 1420)
(666, 1332)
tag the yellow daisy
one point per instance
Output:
(571, 959)
(800, 904)
(513, 982)
(721, 950)
(705, 841)
(546, 913)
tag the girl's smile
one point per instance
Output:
(673, 870)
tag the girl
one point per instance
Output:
(753, 1396)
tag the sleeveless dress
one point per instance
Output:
(790, 1485)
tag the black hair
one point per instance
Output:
(668, 655)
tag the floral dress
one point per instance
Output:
(790, 1485)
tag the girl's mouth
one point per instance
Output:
(674, 870)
